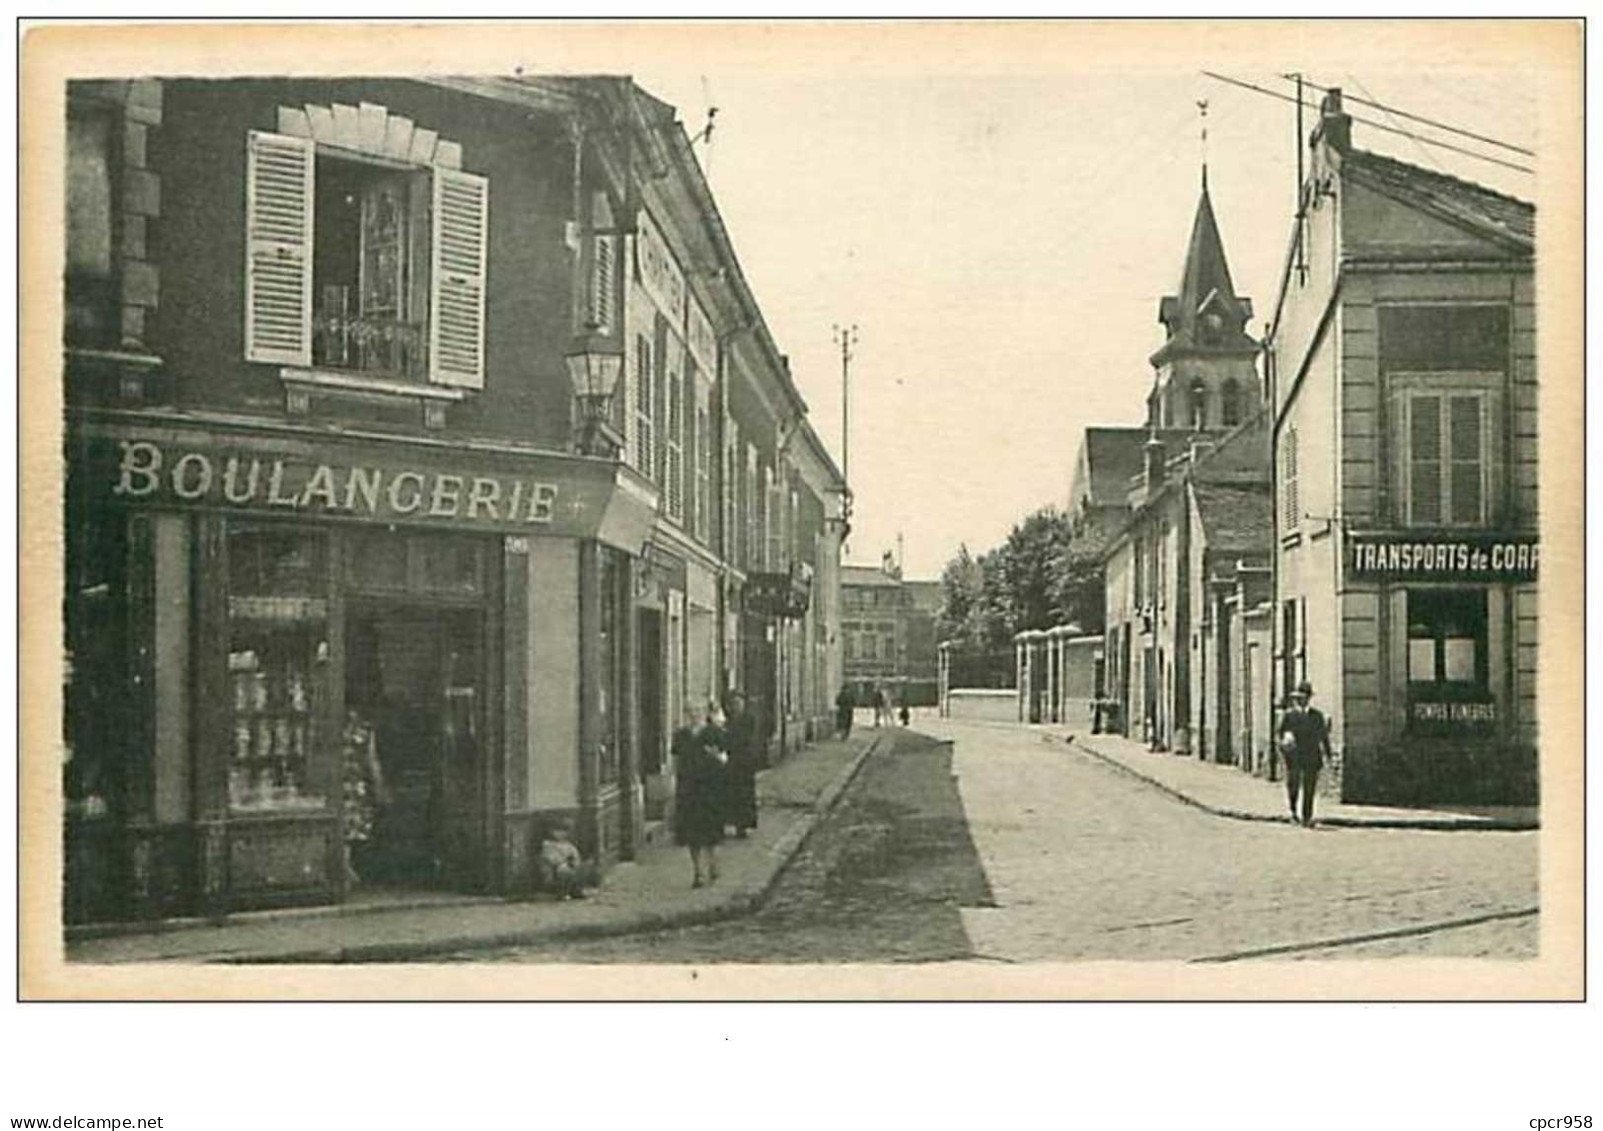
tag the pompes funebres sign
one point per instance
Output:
(1469, 557)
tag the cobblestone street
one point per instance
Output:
(1038, 852)
(1087, 863)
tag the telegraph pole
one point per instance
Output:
(846, 338)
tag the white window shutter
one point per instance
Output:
(279, 172)
(601, 283)
(456, 306)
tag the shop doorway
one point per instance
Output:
(414, 680)
(651, 706)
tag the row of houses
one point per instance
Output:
(1350, 501)
(430, 417)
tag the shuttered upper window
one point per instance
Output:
(1290, 498)
(1447, 466)
(1445, 368)
(675, 462)
(703, 446)
(645, 410)
(366, 248)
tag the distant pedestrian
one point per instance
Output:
(1304, 744)
(845, 708)
(879, 704)
(904, 712)
(745, 759)
(700, 765)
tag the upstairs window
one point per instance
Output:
(1290, 499)
(767, 534)
(703, 462)
(795, 526)
(603, 268)
(91, 314)
(1444, 368)
(674, 464)
(645, 410)
(366, 248)
(1230, 403)
(1447, 468)
(731, 488)
(749, 499)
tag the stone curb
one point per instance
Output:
(1427, 824)
(740, 901)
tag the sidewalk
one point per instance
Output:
(1228, 792)
(649, 893)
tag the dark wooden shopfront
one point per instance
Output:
(241, 603)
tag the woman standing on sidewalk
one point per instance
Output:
(700, 769)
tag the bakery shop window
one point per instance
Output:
(278, 666)
(1447, 644)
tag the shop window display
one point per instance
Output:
(1447, 646)
(278, 662)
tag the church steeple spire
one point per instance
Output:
(1205, 313)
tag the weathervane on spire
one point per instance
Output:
(1202, 108)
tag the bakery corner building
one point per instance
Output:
(326, 488)
(1403, 373)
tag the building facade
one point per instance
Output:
(1402, 364)
(330, 489)
(888, 633)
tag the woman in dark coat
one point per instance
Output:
(744, 762)
(699, 765)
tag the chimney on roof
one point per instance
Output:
(1335, 125)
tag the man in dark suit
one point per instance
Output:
(1304, 742)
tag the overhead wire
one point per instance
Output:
(1422, 119)
(1371, 123)
(1423, 152)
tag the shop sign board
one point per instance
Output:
(344, 480)
(1467, 557)
(779, 594)
(1438, 715)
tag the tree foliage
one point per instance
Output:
(1038, 577)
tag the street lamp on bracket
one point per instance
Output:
(594, 365)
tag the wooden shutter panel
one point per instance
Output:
(279, 173)
(456, 308)
(602, 283)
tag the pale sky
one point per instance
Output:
(1002, 240)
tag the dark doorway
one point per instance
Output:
(651, 693)
(414, 678)
(1224, 744)
(760, 676)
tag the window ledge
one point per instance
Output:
(373, 386)
(120, 357)
(299, 384)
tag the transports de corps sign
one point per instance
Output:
(1470, 557)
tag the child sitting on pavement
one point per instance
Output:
(561, 867)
